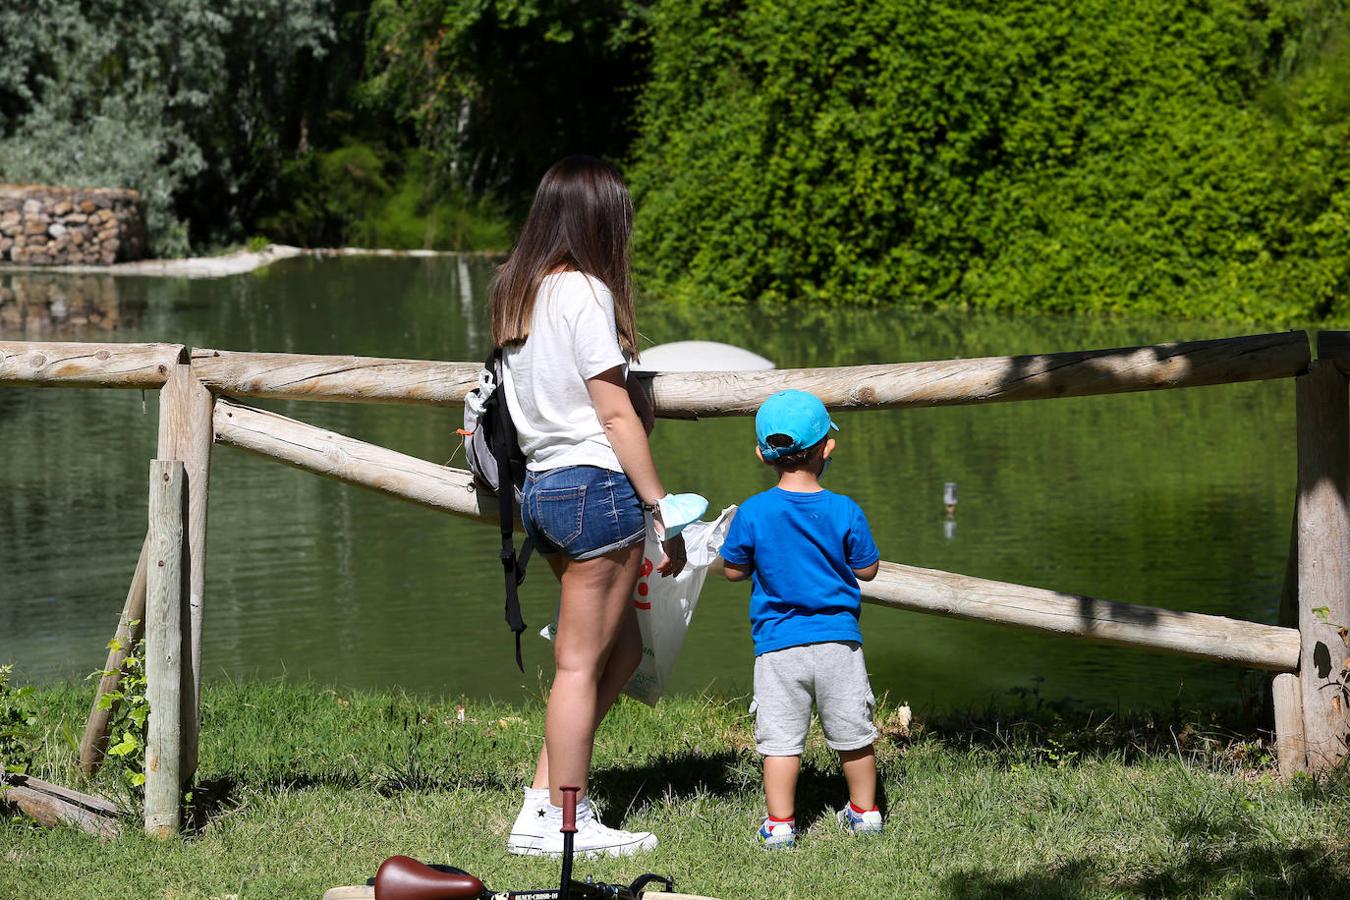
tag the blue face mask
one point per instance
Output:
(825, 467)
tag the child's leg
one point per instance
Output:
(844, 699)
(860, 771)
(780, 785)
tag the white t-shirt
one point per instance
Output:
(572, 338)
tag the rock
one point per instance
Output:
(107, 257)
(62, 208)
(87, 206)
(34, 226)
(10, 228)
(77, 235)
(37, 240)
(40, 259)
(75, 219)
(56, 229)
(102, 201)
(8, 216)
(5, 244)
(112, 245)
(10, 203)
(32, 206)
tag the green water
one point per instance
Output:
(1179, 499)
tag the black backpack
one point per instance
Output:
(492, 448)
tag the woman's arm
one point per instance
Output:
(623, 427)
(614, 409)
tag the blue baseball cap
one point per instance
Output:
(797, 414)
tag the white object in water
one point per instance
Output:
(700, 356)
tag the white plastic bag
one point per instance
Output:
(665, 606)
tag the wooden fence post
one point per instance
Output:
(186, 433)
(130, 627)
(164, 649)
(1323, 415)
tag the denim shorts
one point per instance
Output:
(581, 511)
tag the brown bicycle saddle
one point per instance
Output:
(404, 878)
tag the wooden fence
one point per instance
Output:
(1307, 648)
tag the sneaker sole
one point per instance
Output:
(616, 850)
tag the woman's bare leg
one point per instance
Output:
(623, 662)
(593, 615)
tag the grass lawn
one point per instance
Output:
(303, 788)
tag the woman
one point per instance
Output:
(562, 307)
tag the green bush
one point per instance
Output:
(1154, 158)
(362, 195)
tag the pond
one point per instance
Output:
(1178, 499)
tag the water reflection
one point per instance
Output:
(44, 307)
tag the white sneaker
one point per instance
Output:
(529, 824)
(593, 838)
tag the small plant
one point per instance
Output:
(258, 243)
(131, 710)
(18, 732)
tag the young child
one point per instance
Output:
(805, 549)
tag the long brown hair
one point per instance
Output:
(580, 219)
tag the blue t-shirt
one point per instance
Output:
(802, 549)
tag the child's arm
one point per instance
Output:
(860, 547)
(736, 573)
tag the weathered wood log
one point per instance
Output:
(996, 379)
(1290, 746)
(1335, 346)
(352, 379)
(50, 364)
(1323, 416)
(1198, 635)
(186, 433)
(130, 627)
(352, 461)
(51, 805)
(685, 394)
(164, 648)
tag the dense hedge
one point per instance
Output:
(1155, 157)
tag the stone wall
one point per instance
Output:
(57, 226)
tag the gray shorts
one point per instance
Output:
(787, 681)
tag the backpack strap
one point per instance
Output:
(512, 569)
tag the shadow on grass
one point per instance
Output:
(1251, 871)
(677, 778)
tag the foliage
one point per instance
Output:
(362, 195)
(497, 90)
(188, 101)
(18, 732)
(1190, 160)
(127, 728)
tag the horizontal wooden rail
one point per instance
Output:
(51, 364)
(902, 587)
(994, 379)
(351, 379)
(1197, 635)
(1335, 346)
(685, 394)
(352, 461)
